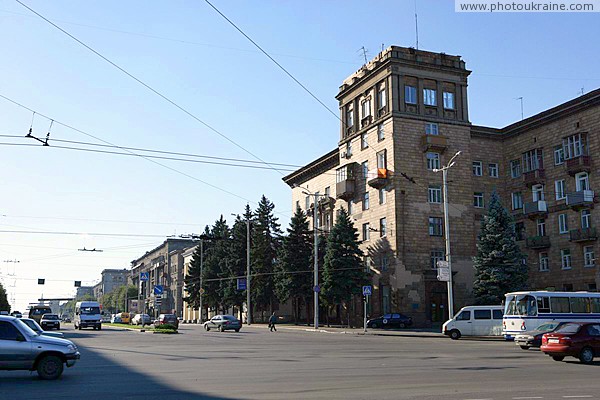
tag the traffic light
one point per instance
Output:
(41, 281)
(77, 283)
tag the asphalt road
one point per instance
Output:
(257, 364)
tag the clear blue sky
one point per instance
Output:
(187, 51)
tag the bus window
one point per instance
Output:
(511, 306)
(543, 304)
(595, 304)
(526, 305)
(580, 305)
(498, 314)
(560, 305)
(482, 314)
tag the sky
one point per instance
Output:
(242, 107)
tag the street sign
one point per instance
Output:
(367, 290)
(241, 284)
(158, 289)
(442, 264)
(202, 290)
(443, 274)
(316, 289)
(144, 276)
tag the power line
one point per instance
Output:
(85, 233)
(147, 86)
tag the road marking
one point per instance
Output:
(584, 396)
(525, 398)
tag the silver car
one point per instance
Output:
(223, 323)
(23, 349)
(31, 323)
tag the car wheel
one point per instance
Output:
(79, 327)
(237, 330)
(58, 329)
(587, 355)
(401, 325)
(100, 327)
(221, 328)
(455, 334)
(558, 358)
(50, 367)
(374, 325)
(524, 347)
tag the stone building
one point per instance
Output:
(403, 115)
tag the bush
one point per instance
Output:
(166, 327)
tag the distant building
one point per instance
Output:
(84, 291)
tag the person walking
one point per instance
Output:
(272, 320)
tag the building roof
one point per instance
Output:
(315, 168)
(165, 243)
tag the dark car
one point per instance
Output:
(574, 339)
(534, 338)
(50, 321)
(163, 319)
(223, 323)
(390, 321)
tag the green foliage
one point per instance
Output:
(166, 327)
(192, 279)
(499, 267)
(216, 259)
(4, 304)
(236, 263)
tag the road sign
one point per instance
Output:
(443, 274)
(144, 276)
(367, 290)
(442, 264)
(241, 284)
(202, 290)
(316, 289)
(158, 289)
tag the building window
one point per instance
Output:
(382, 159)
(435, 226)
(297, 204)
(544, 262)
(382, 227)
(493, 170)
(515, 168)
(592, 287)
(430, 97)
(582, 181)
(537, 192)
(437, 255)
(559, 155)
(364, 140)
(541, 227)
(365, 169)
(533, 160)
(559, 189)
(519, 231)
(478, 199)
(380, 133)
(433, 161)
(563, 226)
(383, 262)
(366, 232)
(349, 115)
(567, 287)
(431, 129)
(348, 149)
(477, 168)
(366, 201)
(434, 194)
(574, 146)
(327, 192)
(410, 94)
(449, 100)
(586, 219)
(366, 108)
(307, 202)
(382, 199)
(588, 256)
(517, 201)
(350, 207)
(381, 98)
(565, 255)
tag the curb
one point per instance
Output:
(368, 333)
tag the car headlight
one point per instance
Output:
(72, 347)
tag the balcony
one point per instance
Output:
(366, 121)
(580, 199)
(583, 235)
(345, 189)
(535, 209)
(434, 143)
(326, 202)
(379, 178)
(535, 177)
(578, 164)
(538, 242)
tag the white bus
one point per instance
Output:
(525, 311)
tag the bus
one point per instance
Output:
(526, 311)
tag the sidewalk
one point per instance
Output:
(421, 333)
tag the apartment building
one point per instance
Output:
(404, 115)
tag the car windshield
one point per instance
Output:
(90, 310)
(41, 311)
(229, 318)
(53, 317)
(524, 305)
(24, 328)
(32, 324)
(568, 328)
(548, 326)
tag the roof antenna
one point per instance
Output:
(364, 51)
(521, 98)
(416, 25)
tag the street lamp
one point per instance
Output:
(248, 277)
(447, 232)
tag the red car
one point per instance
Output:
(167, 319)
(579, 340)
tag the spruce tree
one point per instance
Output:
(192, 279)
(499, 267)
(4, 304)
(216, 259)
(343, 269)
(236, 265)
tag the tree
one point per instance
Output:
(343, 269)
(295, 259)
(236, 262)
(216, 257)
(192, 279)
(265, 242)
(499, 267)
(4, 304)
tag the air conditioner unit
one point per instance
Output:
(343, 154)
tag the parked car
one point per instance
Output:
(31, 323)
(167, 319)
(16, 314)
(475, 321)
(141, 319)
(534, 338)
(24, 349)
(390, 321)
(66, 318)
(50, 321)
(223, 323)
(574, 339)
(116, 319)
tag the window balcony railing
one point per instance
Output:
(578, 164)
(535, 209)
(538, 242)
(583, 235)
(436, 143)
(345, 189)
(580, 199)
(535, 177)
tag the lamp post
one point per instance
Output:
(248, 277)
(444, 171)
(316, 256)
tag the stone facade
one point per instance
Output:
(404, 114)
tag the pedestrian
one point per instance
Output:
(272, 320)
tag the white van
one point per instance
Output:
(88, 314)
(475, 321)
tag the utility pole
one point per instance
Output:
(447, 233)
(201, 274)
(316, 253)
(248, 277)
